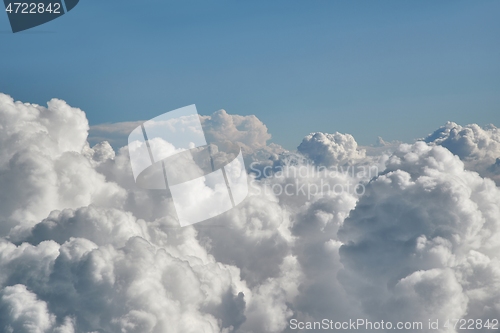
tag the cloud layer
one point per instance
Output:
(326, 232)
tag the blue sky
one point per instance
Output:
(396, 69)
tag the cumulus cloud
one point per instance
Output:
(331, 149)
(404, 232)
(478, 148)
(24, 312)
(410, 243)
(41, 163)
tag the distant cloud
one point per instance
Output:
(114, 133)
(331, 149)
(248, 131)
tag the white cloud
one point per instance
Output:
(246, 130)
(330, 149)
(23, 312)
(478, 148)
(410, 242)
(41, 164)
(83, 249)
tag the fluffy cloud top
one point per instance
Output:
(478, 148)
(83, 249)
(331, 149)
(41, 163)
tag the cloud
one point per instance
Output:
(410, 243)
(24, 312)
(330, 149)
(114, 133)
(404, 232)
(42, 166)
(246, 130)
(478, 148)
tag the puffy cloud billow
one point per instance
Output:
(331, 149)
(478, 148)
(409, 233)
(423, 242)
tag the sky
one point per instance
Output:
(327, 228)
(393, 69)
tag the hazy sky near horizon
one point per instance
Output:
(386, 68)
